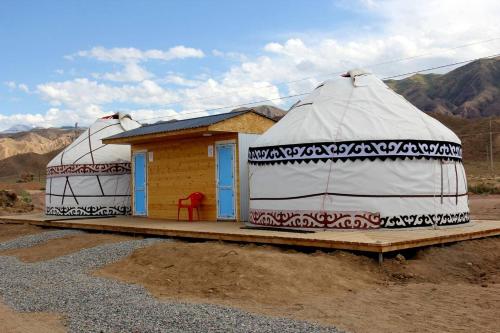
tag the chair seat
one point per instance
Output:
(194, 203)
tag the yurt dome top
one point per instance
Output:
(88, 147)
(354, 107)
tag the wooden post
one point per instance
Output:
(380, 258)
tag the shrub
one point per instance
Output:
(25, 196)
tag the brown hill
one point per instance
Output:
(33, 163)
(474, 134)
(470, 91)
(39, 141)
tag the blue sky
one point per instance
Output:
(68, 61)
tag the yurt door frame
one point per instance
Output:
(225, 152)
(140, 183)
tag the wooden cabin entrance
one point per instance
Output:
(225, 181)
(140, 184)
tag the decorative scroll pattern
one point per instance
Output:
(89, 169)
(424, 220)
(350, 220)
(314, 219)
(355, 150)
(88, 210)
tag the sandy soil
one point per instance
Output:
(62, 246)
(17, 187)
(11, 231)
(451, 289)
(485, 207)
(16, 322)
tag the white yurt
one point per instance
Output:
(355, 155)
(89, 178)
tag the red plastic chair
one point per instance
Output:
(195, 202)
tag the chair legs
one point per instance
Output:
(190, 213)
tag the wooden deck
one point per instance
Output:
(379, 241)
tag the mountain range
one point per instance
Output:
(27, 151)
(470, 91)
(17, 129)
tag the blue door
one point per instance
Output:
(225, 182)
(140, 183)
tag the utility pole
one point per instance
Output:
(491, 148)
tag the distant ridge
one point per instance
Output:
(470, 91)
(17, 129)
(266, 110)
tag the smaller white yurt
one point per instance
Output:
(355, 155)
(89, 178)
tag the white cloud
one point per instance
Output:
(150, 116)
(229, 55)
(130, 59)
(180, 80)
(23, 87)
(12, 85)
(131, 72)
(79, 93)
(54, 117)
(127, 55)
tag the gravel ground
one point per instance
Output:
(94, 304)
(32, 240)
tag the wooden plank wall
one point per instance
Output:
(250, 123)
(180, 167)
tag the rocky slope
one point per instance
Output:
(470, 91)
(39, 141)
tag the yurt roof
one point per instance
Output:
(88, 148)
(355, 107)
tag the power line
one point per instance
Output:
(306, 93)
(395, 60)
(340, 72)
(230, 106)
(442, 66)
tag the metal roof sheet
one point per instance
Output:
(169, 126)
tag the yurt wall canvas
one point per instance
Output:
(90, 178)
(354, 154)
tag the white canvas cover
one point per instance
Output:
(354, 154)
(89, 178)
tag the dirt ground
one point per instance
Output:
(451, 289)
(11, 231)
(485, 207)
(16, 322)
(12, 321)
(32, 192)
(62, 246)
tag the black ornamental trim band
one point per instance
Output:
(299, 219)
(88, 169)
(355, 150)
(87, 210)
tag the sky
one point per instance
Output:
(67, 62)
